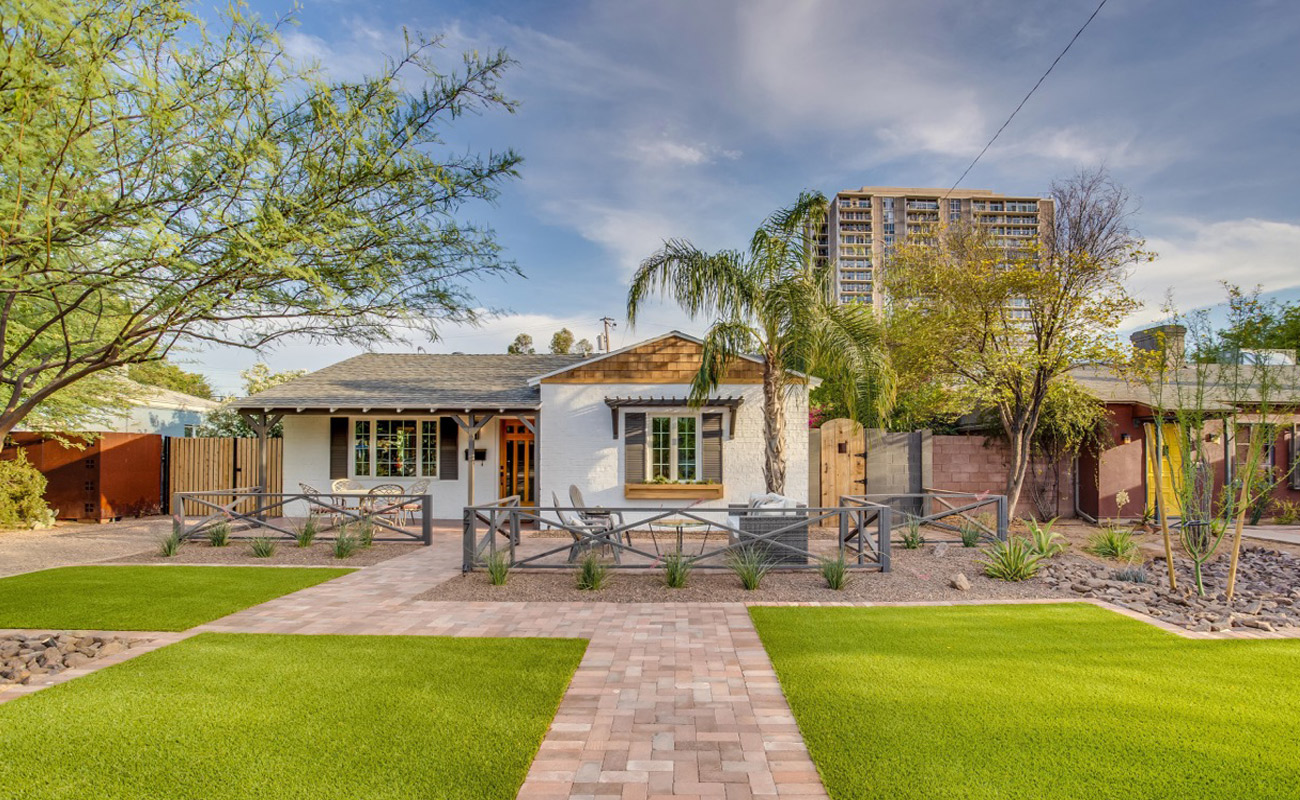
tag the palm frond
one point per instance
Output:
(724, 343)
(715, 284)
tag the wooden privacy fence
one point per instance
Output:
(215, 464)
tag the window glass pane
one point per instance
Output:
(661, 443)
(361, 447)
(394, 448)
(429, 448)
(686, 449)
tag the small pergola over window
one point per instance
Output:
(616, 403)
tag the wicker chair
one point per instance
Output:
(322, 505)
(345, 485)
(418, 489)
(756, 522)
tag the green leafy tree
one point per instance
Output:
(163, 184)
(166, 375)
(225, 421)
(583, 347)
(1001, 324)
(562, 342)
(1254, 324)
(772, 300)
(522, 345)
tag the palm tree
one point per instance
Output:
(774, 300)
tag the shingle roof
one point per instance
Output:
(415, 381)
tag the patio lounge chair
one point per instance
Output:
(576, 527)
(769, 513)
(592, 515)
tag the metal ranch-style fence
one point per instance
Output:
(250, 509)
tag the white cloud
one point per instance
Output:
(1247, 252)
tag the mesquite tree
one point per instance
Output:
(1002, 323)
(164, 186)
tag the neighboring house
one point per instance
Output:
(1126, 461)
(156, 410)
(616, 424)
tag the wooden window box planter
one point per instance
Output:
(673, 491)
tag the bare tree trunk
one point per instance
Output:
(773, 428)
(1236, 535)
(1020, 454)
(1161, 511)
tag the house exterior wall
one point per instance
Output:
(577, 445)
(307, 460)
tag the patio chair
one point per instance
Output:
(414, 507)
(345, 485)
(766, 514)
(582, 544)
(381, 496)
(323, 506)
(592, 515)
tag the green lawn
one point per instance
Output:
(162, 598)
(1043, 702)
(267, 716)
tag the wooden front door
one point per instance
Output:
(518, 472)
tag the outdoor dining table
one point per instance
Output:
(680, 525)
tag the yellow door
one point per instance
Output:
(1171, 466)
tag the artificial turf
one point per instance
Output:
(1044, 702)
(243, 716)
(163, 598)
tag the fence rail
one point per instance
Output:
(528, 536)
(249, 508)
(942, 510)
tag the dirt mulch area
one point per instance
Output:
(916, 576)
(286, 554)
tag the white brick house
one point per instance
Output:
(617, 425)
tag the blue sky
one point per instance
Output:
(645, 120)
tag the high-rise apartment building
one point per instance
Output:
(865, 223)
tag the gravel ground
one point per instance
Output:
(286, 554)
(917, 575)
(74, 543)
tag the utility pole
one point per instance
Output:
(604, 340)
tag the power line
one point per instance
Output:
(1073, 39)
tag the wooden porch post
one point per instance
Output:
(472, 427)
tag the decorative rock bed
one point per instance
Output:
(24, 656)
(1267, 595)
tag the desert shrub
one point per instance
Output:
(912, 538)
(835, 571)
(170, 544)
(263, 547)
(1132, 574)
(970, 534)
(1042, 540)
(307, 533)
(365, 533)
(592, 574)
(344, 545)
(1114, 543)
(498, 569)
(677, 568)
(22, 495)
(1286, 512)
(1012, 560)
(750, 565)
(219, 534)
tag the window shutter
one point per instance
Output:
(634, 448)
(448, 449)
(711, 448)
(339, 448)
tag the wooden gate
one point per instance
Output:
(216, 464)
(843, 461)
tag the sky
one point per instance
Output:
(644, 120)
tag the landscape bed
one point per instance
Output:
(286, 553)
(125, 598)
(1043, 701)
(270, 716)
